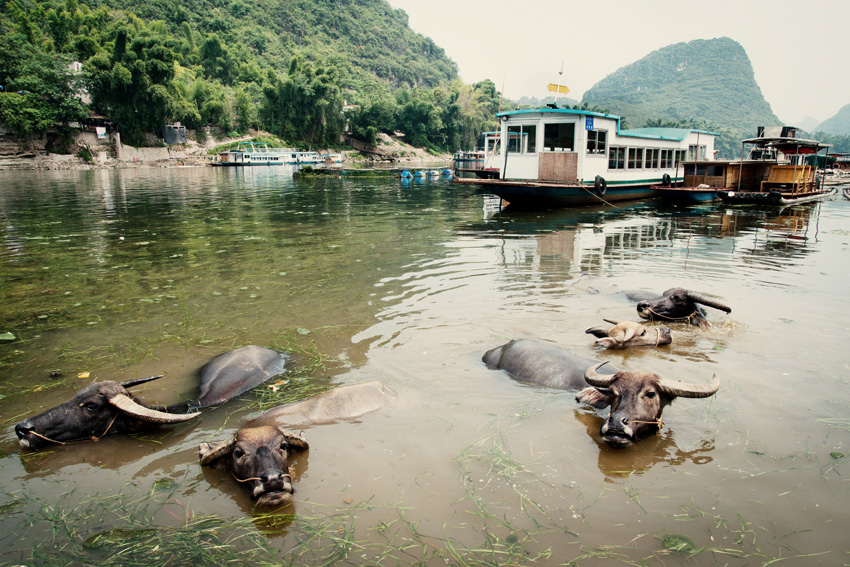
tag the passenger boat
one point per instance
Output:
(558, 157)
(780, 170)
(254, 153)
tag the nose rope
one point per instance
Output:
(658, 421)
(93, 438)
(283, 477)
(688, 318)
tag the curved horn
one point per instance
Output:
(126, 404)
(223, 448)
(593, 378)
(685, 390)
(137, 381)
(697, 298)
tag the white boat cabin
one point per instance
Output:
(575, 146)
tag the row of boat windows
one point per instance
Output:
(561, 137)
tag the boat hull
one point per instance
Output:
(687, 195)
(557, 195)
(773, 198)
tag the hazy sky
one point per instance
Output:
(799, 50)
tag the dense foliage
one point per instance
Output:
(286, 67)
(707, 80)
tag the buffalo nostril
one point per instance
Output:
(642, 306)
(624, 420)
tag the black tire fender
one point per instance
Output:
(600, 185)
(665, 180)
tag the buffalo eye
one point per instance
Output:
(283, 447)
(650, 395)
(90, 406)
(238, 453)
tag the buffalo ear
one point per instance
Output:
(295, 440)
(215, 456)
(595, 397)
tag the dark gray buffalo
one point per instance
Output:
(628, 334)
(676, 304)
(258, 455)
(108, 408)
(636, 399)
(258, 458)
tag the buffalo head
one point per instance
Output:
(679, 304)
(258, 457)
(104, 408)
(637, 400)
(626, 334)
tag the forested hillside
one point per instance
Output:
(285, 66)
(705, 83)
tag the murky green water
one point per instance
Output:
(124, 274)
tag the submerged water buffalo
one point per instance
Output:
(258, 458)
(636, 399)
(627, 334)
(258, 455)
(676, 304)
(108, 408)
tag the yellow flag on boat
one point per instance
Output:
(563, 89)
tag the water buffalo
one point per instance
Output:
(258, 454)
(626, 334)
(676, 304)
(636, 399)
(258, 457)
(108, 408)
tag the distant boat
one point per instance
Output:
(254, 153)
(559, 157)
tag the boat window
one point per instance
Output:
(522, 139)
(696, 152)
(652, 158)
(715, 171)
(680, 156)
(666, 159)
(635, 158)
(596, 141)
(616, 158)
(559, 137)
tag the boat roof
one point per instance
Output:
(675, 134)
(787, 145)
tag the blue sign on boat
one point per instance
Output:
(588, 122)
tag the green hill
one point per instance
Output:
(368, 39)
(838, 124)
(708, 82)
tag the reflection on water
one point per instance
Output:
(133, 273)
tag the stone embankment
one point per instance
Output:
(108, 152)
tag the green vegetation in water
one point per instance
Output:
(677, 543)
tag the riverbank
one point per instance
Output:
(88, 150)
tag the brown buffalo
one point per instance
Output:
(627, 334)
(637, 399)
(258, 457)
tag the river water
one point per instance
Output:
(130, 273)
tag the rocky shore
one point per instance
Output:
(89, 151)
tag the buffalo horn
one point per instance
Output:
(697, 298)
(137, 381)
(685, 390)
(222, 449)
(598, 380)
(126, 404)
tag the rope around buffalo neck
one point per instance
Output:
(688, 318)
(93, 438)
